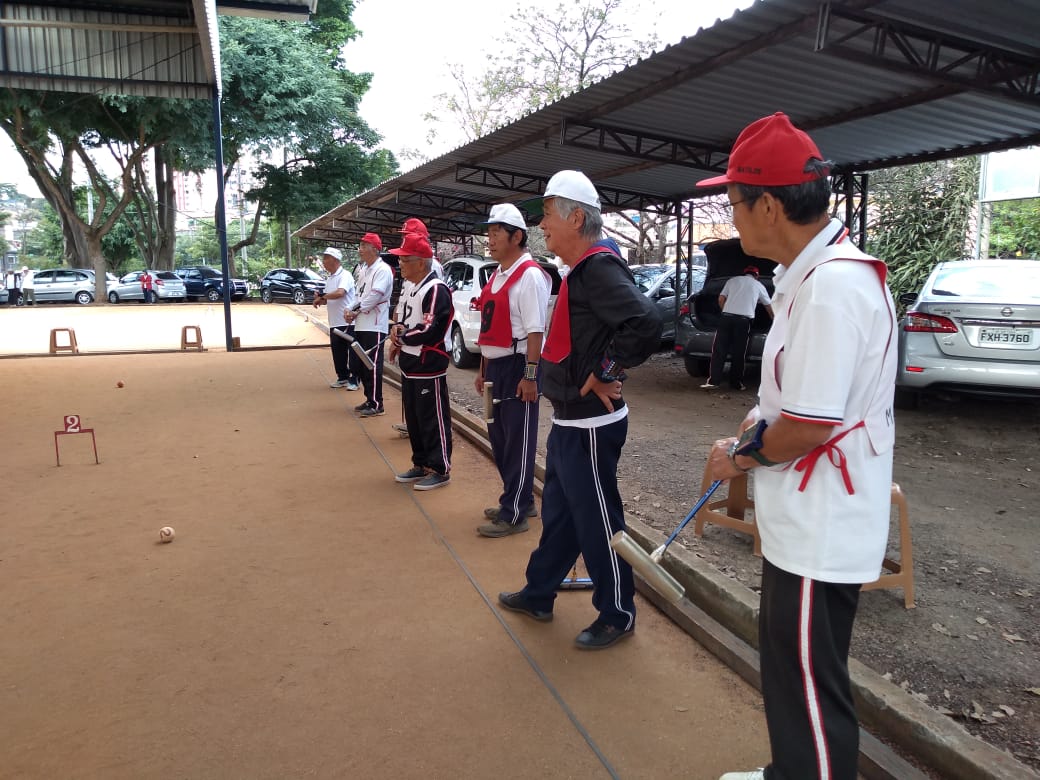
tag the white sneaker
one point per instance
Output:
(339, 383)
(351, 385)
(708, 386)
(756, 774)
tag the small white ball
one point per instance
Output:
(166, 534)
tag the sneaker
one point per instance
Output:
(362, 406)
(600, 636)
(757, 774)
(738, 386)
(414, 474)
(515, 602)
(400, 428)
(708, 386)
(339, 383)
(371, 411)
(432, 481)
(497, 528)
(491, 513)
(352, 385)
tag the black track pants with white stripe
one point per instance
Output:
(371, 379)
(513, 436)
(427, 414)
(805, 627)
(581, 510)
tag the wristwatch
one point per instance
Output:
(531, 372)
(610, 371)
(750, 444)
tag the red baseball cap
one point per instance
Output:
(415, 225)
(770, 152)
(413, 245)
(373, 239)
(752, 269)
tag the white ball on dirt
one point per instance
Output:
(166, 534)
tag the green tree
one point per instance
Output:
(920, 215)
(1015, 228)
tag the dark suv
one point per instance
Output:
(699, 317)
(298, 285)
(201, 281)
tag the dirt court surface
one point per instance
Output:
(312, 617)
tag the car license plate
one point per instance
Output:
(1015, 338)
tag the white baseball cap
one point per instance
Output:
(331, 251)
(573, 185)
(505, 214)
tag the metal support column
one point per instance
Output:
(221, 219)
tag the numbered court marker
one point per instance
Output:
(73, 425)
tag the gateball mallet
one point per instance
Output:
(358, 349)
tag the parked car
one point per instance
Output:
(166, 286)
(657, 282)
(64, 284)
(466, 276)
(201, 281)
(974, 329)
(699, 316)
(298, 285)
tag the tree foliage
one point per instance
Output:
(920, 215)
(1015, 228)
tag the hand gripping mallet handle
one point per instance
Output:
(489, 403)
(648, 565)
(358, 349)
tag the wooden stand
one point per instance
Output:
(739, 515)
(71, 347)
(195, 341)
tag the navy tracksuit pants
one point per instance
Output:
(513, 436)
(581, 510)
(804, 631)
(732, 337)
(427, 414)
(341, 353)
(371, 379)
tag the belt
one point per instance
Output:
(739, 316)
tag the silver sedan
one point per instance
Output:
(166, 286)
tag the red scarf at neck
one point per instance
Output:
(558, 342)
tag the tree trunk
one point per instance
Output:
(166, 208)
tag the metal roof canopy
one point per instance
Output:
(878, 83)
(148, 48)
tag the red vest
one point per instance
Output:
(496, 330)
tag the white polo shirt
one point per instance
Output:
(528, 304)
(337, 307)
(375, 283)
(830, 358)
(743, 294)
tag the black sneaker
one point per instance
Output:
(362, 406)
(492, 512)
(371, 411)
(499, 528)
(515, 602)
(432, 481)
(414, 474)
(600, 636)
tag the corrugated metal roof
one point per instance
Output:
(150, 48)
(877, 83)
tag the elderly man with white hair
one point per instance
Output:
(337, 298)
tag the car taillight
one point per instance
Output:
(159, 282)
(919, 322)
(474, 304)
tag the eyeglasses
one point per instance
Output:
(733, 203)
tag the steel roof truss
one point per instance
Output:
(644, 146)
(944, 58)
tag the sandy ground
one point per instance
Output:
(312, 617)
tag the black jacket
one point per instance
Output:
(610, 318)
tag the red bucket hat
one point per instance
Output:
(413, 245)
(373, 239)
(770, 152)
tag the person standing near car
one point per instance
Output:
(28, 286)
(601, 325)
(738, 300)
(820, 441)
(417, 343)
(370, 317)
(337, 299)
(146, 286)
(513, 306)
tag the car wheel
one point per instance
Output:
(265, 295)
(460, 356)
(212, 295)
(83, 297)
(696, 366)
(907, 399)
(299, 297)
(113, 297)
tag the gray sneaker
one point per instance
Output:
(352, 385)
(499, 528)
(414, 474)
(491, 513)
(338, 383)
(432, 481)
(371, 411)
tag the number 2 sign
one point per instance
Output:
(73, 425)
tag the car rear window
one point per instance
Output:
(1012, 283)
(167, 275)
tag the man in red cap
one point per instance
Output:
(820, 441)
(738, 300)
(370, 317)
(417, 343)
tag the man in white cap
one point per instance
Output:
(601, 325)
(337, 298)
(513, 306)
(820, 441)
(28, 286)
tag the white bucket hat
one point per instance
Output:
(331, 251)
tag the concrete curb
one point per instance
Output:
(716, 605)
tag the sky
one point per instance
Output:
(408, 45)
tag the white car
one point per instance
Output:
(166, 286)
(466, 276)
